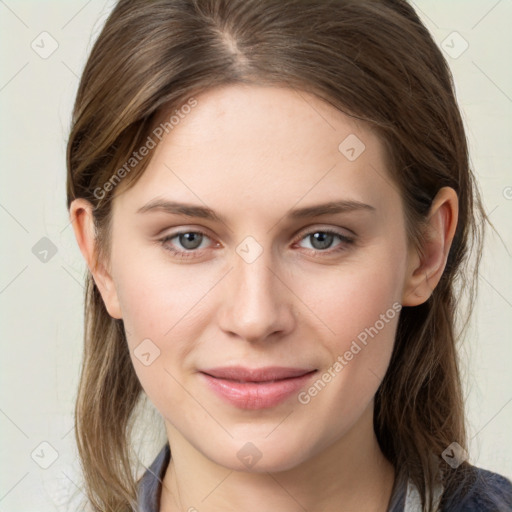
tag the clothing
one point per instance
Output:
(489, 493)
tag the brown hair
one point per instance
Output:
(371, 59)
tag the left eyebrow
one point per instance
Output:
(191, 210)
(329, 209)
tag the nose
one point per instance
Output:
(258, 304)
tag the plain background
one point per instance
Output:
(41, 302)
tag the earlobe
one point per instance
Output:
(81, 217)
(426, 264)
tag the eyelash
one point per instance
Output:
(191, 253)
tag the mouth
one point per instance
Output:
(256, 388)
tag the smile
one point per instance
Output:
(259, 388)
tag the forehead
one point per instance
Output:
(255, 143)
(280, 117)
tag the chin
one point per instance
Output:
(261, 455)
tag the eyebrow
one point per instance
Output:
(190, 210)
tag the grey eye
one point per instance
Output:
(190, 240)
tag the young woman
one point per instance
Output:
(275, 205)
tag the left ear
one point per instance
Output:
(426, 264)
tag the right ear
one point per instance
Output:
(81, 217)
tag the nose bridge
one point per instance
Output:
(256, 302)
(254, 276)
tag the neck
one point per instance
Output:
(349, 474)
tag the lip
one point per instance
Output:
(256, 388)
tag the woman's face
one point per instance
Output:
(262, 333)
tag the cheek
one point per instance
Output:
(359, 307)
(364, 322)
(154, 294)
(164, 307)
(352, 298)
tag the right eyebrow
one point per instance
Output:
(176, 208)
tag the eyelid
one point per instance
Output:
(325, 229)
(180, 230)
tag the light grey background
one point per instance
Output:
(41, 302)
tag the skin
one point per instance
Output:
(252, 154)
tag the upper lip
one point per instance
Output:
(266, 374)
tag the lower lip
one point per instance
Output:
(256, 395)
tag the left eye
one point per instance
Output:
(323, 239)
